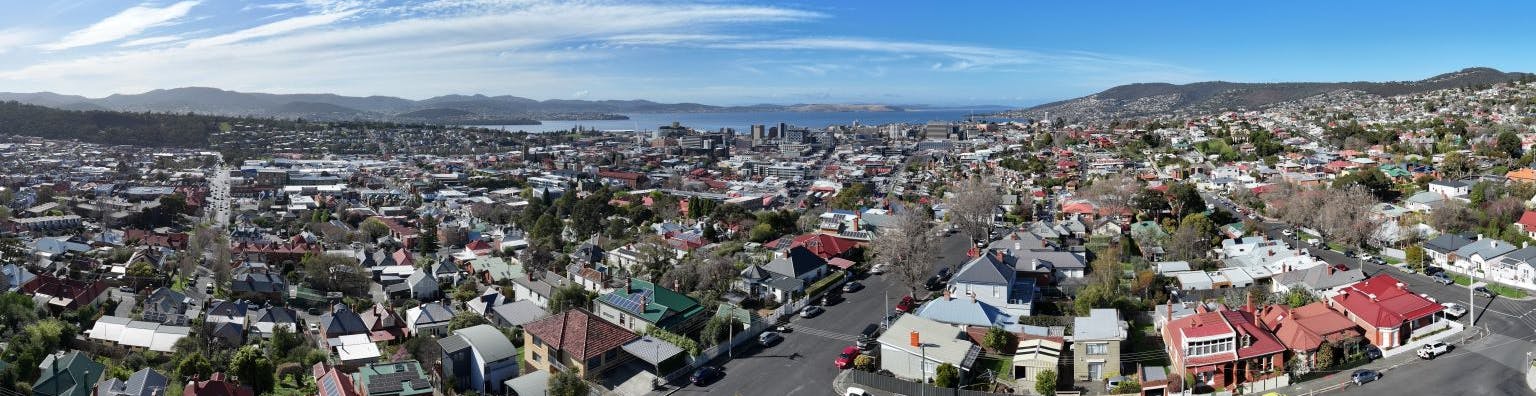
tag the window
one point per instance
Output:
(537, 342)
(1098, 349)
(536, 356)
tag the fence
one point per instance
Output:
(902, 387)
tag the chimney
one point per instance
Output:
(947, 295)
(1479, 237)
(1331, 269)
(1170, 311)
(627, 283)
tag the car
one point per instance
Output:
(1372, 352)
(127, 289)
(906, 304)
(810, 311)
(1114, 382)
(851, 287)
(313, 328)
(1361, 377)
(856, 391)
(877, 269)
(1483, 291)
(846, 357)
(933, 283)
(1433, 349)
(1442, 278)
(1454, 310)
(705, 375)
(1286, 232)
(768, 338)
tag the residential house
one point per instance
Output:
(488, 300)
(967, 312)
(64, 294)
(419, 286)
(574, 341)
(1386, 310)
(340, 321)
(145, 382)
(1441, 249)
(1517, 268)
(330, 381)
(537, 288)
(798, 262)
(165, 306)
(992, 278)
(223, 311)
(266, 320)
(1303, 330)
(641, 304)
(479, 358)
(516, 314)
(1424, 201)
(71, 373)
(1473, 257)
(1320, 280)
(1450, 189)
(1035, 356)
(429, 319)
(136, 335)
(383, 324)
(914, 347)
(217, 385)
(1222, 348)
(12, 276)
(403, 378)
(1096, 340)
(494, 270)
(1527, 223)
(258, 285)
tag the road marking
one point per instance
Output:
(823, 333)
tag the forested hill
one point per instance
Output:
(109, 127)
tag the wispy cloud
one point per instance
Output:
(273, 29)
(124, 24)
(14, 38)
(150, 41)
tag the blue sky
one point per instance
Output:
(733, 52)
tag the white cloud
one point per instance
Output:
(15, 38)
(125, 24)
(273, 29)
(150, 41)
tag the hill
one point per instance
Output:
(108, 127)
(214, 101)
(1156, 99)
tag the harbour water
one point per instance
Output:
(742, 121)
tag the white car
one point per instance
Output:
(1431, 350)
(877, 269)
(1286, 232)
(1454, 310)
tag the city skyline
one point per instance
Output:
(734, 52)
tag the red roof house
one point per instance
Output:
(216, 385)
(1223, 349)
(1303, 330)
(1527, 223)
(825, 246)
(575, 339)
(1385, 309)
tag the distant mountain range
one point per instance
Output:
(448, 109)
(1155, 99)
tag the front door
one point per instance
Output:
(1095, 371)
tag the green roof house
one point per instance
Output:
(404, 378)
(67, 374)
(640, 304)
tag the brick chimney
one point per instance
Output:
(1170, 310)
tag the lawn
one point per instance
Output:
(999, 364)
(179, 285)
(1503, 290)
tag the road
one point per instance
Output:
(1493, 364)
(801, 364)
(218, 196)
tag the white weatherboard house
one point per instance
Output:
(938, 343)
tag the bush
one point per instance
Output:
(824, 283)
(1045, 383)
(864, 363)
(946, 376)
(999, 340)
(1127, 387)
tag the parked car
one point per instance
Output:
(1454, 310)
(1361, 377)
(1442, 278)
(1484, 291)
(944, 274)
(845, 359)
(769, 338)
(877, 269)
(1431, 350)
(1114, 382)
(906, 304)
(851, 287)
(1286, 232)
(856, 391)
(810, 311)
(1372, 352)
(705, 375)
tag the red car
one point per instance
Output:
(845, 359)
(906, 304)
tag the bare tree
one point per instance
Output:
(907, 249)
(1114, 193)
(1345, 215)
(973, 205)
(1454, 217)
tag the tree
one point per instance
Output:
(1045, 383)
(719, 329)
(373, 228)
(1193, 238)
(1414, 256)
(283, 341)
(333, 272)
(466, 319)
(1324, 358)
(1453, 217)
(999, 340)
(1372, 179)
(1184, 200)
(1299, 296)
(864, 363)
(1508, 144)
(571, 296)
(565, 383)
(253, 368)
(946, 376)
(1151, 202)
(907, 249)
(850, 197)
(973, 205)
(194, 365)
(1115, 193)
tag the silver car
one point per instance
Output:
(769, 338)
(810, 310)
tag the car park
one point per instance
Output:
(1361, 377)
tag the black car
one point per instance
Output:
(944, 274)
(705, 375)
(1372, 352)
(1483, 291)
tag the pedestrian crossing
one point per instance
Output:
(823, 333)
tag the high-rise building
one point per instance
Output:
(758, 131)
